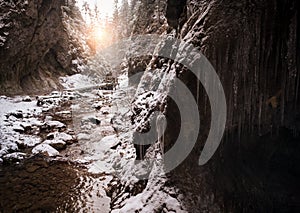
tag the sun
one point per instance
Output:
(99, 33)
(99, 36)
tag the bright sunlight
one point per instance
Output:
(98, 15)
(99, 33)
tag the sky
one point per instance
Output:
(105, 7)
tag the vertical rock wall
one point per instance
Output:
(36, 46)
(254, 47)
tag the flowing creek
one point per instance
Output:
(78, 180)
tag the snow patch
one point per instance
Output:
(46, 150)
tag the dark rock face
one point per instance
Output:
(150, 17)
(254, 47)
(174, 12)
(37, 46)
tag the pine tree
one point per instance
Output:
(86, 8)
(96, 13)
(124, 11)
(116, 12)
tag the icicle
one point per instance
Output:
(282, 105)
(297, 89)
(259, 114)
(239, 128)
(198, 89)
(160, 128)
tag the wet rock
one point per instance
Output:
(95, 121)
(56, 144)
(46, 150)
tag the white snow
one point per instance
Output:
(55, 124)
(29, 140)
(15, 155)
(83, 136)
(18, 128)
(45, 149)
(109, 141)
(11, 126)
(77, 81)
(153, 198)
(61, 136)
(56, 143)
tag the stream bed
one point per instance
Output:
(79, 177)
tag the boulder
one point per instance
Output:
(61, 136)
(18, 128)
(26, 99)
(56, 144)
(46, 150)
(16, 156)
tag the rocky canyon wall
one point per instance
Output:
(254, 47)
(37, 44)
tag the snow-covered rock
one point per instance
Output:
(48, 118)
(107, 130)
(18, 114)
(18, 128)
(26, 126)
(97, 105)
(10, 146)
(26, 99)
(83, 136)
(56, 144)
(27, 141)
(64, 114)
(109, 141)
(53, 125)
(14, 156)
(61, 136)
(105, 110)
(46, 150)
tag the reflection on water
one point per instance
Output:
(40, 186)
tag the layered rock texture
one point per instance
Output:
(38, 44)
(254, 47)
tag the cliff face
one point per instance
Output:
(36, 44)
(254, 47)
